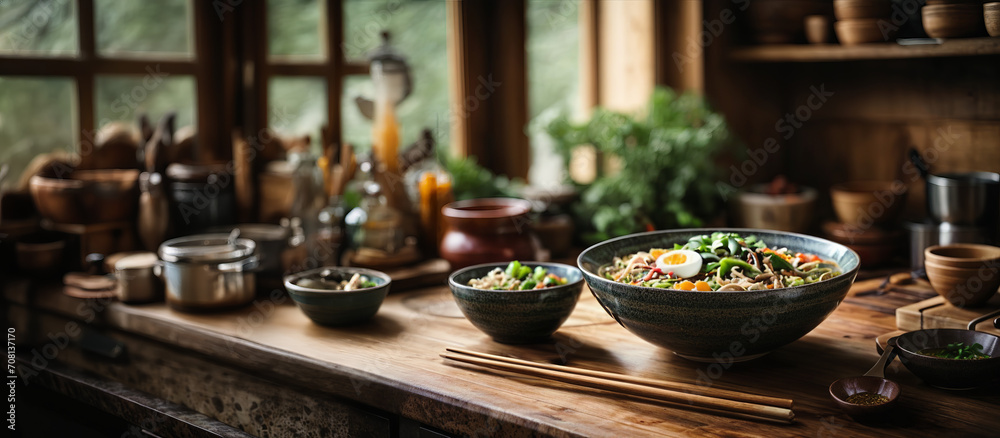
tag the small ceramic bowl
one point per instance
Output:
(844, 388)
(338, 307)
(861, 31)
(960, 20)
(517, 317)
(949, 373)
(963, 255)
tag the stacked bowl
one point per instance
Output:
(862, 21)
(967, 275)
(868, 212)
(953, 18)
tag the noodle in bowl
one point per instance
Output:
(729, 325)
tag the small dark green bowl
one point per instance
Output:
(337, 307)
(718, 326)
(521, 316)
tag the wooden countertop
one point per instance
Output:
(392, 363)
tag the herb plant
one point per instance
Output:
(668, 173)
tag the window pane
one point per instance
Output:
(296, 106)
(126, 97)
(36, 116)
(138, 28)
(38, 27)
(294, 30)
(419, 32)
(553, 43)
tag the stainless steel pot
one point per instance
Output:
(970, 199)
(925, 234)
(207, 271)
(136, 280)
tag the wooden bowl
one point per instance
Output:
(87, 196)
(862, 204)
(854, 9)
(790, 212)
(964, 287)
(842, 389)
(991, 13)
(819, 29)
(962, 255)
(860, 31)
(953, 20)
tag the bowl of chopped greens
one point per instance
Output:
(517, 302)
(336, 295)
(719, 294)
(950, 358)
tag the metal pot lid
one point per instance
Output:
(212, 248)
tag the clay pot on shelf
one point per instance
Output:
(487, 230)
(991, 12)
(961, 20)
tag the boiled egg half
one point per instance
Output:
(683, 263)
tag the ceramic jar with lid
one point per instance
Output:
(487, 230)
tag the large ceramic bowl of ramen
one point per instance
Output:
(719, 294)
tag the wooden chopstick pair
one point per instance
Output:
(715, 400)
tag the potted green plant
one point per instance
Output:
(667, 171)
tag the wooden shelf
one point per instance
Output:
(834, 52)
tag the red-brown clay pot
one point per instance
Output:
(487, 230)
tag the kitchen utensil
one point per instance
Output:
(205, 271)
(87, 196)
(819, 29)
(154, 210)
(925, 234)
(337, 307)
(201, 196)
(487, 230)
(991, 13)
(949, 373)
(794, 212)
(966, 198)
(862, 30)
(271, 240)
(862, 204)
(702, 326)
(960, 20)
(646, 388)
(919, 163)
(136, 280)
(40, 253)
(872, 382)
(517, 316)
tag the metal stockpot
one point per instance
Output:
(970, 199)
(206, 271)
(135, 278)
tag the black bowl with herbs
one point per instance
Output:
(337, 295)
(517, 302)
(951, 358)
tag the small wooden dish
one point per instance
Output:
(861, 31)
(961, 20)
(991, 13)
